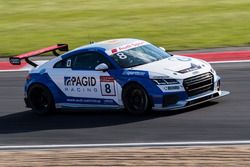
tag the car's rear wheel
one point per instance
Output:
(41, 100)
(135, 99)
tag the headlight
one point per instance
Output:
(165, 81)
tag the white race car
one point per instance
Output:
(119, 73)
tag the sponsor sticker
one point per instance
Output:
(171, 88)
(79, 81)
(126, 47)
(134, 73)
(80, 84)
(192, 68)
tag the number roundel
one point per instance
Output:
(107, 86)
(121, 55)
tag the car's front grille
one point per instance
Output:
(199, 84)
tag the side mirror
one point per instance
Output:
(162, 48)
(102, 67)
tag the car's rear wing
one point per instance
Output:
(16, 60)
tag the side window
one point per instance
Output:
(65, 63)
(89, 60)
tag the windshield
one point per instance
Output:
(140, 55)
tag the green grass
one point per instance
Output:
(174, 24)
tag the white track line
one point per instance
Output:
(230, 61)
(154, 144)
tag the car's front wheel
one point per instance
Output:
(135, 99)
(40, 100)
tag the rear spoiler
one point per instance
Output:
(16, 60)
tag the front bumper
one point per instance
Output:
(192, 101)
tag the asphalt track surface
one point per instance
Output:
(227, 118)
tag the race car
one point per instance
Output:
(119, 73)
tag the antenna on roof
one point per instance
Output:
(90, 41)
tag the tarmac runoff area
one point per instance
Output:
(193, 154)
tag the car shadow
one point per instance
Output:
(27, 121)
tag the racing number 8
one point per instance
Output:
(121, 55)
(107, 88)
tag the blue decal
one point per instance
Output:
(135, 73)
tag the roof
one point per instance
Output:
(113, 43)
(110, 44)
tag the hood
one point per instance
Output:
(178, 67)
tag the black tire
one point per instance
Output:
(41, 100)
(135, 99)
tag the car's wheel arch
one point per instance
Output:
(139, 84)
(41, 85)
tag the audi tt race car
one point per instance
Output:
(120, 73)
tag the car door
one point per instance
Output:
(86, 86)
(59, 70)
